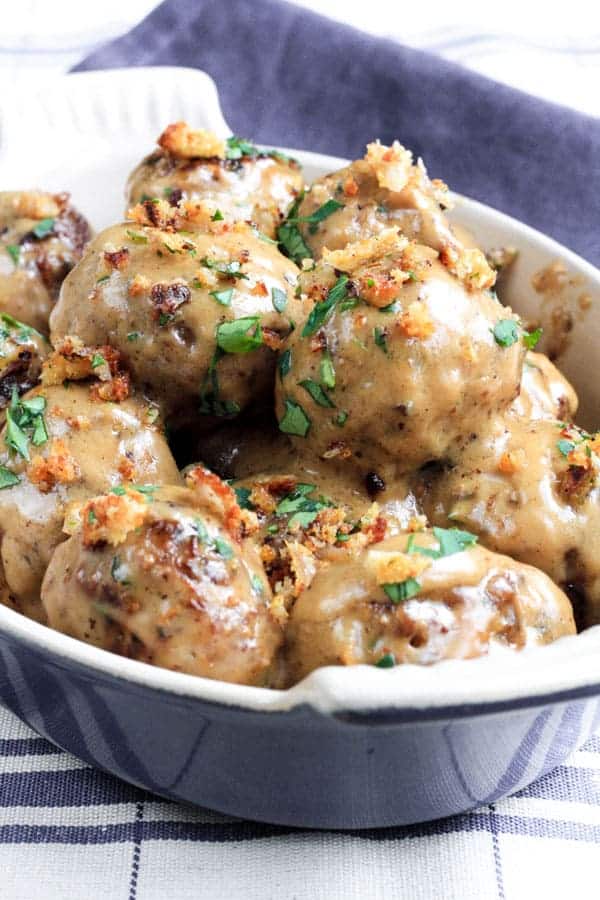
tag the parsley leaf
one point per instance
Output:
(565, 446)
(231, 269)
(387, 661)
(14, 251)
(316, 392)
(43, 228)
(242, 495)
(240, 335)
(285, 363)
(506, 332)
(290, 238)
(327, 371)
(323, 212)
(380, 338)
(98, 360)
(279, 299)
(137, 238)
(531, 338)
(222, 297)
(25, 422)
(7, 478)
(322, 310)
(238, 147)
(399, 591)
(294, 420)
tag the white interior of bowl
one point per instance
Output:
(84, 133)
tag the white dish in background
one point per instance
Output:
(84, 133)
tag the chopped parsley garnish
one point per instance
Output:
(450, 540)
(98, 360)
(223, 297)
(392, 307)
(25, 423)
(294, 420)
(327, 371)
(279, 299)
(240, 335)
(322, 310)
(387, 661)
(217, 216)
(7, 478)
(43, 228)
(290, 237)
(531, 338)
(137, 238)
(323, 212)
(242, 495)
(231, 269)
(103, 279)
(300, 507)
(223, 548)
(285, 363)
(506, 332)
(380, 338)
(238, 147)
(133, 335)
(210, 401)
(316, 392)
(258, 585)
(14, 251)
(217, 544)
(341, 418)
(398, 591)
(565, 447)
(92, 517)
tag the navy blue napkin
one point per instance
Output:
(289, 77)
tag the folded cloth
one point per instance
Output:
(289, 77)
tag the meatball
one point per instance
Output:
(399, 361)
(235, 179)
(41, 238)
(22, 352)
(393, 605)
(545, 392)
(380, 191)
(196, 316)
(530, 489)
(171, 582)
(62, 444)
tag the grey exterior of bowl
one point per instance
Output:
(300, 767)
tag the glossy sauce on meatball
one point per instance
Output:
(197, 315)
(415, 599)
(399, 362)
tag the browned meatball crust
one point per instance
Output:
(233, 178)
(41, 238)
(167, 579)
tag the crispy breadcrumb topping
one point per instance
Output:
(393, 566)
(470, 266)
(36, 205)
(110, 518)
(184, 142)
(57, 467)
(392, 165)
(415, 321)
(358, 254)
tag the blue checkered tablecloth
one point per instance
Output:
(69, 831)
